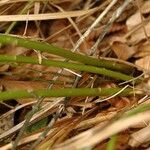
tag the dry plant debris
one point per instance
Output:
(112, 31)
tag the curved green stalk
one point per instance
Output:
(111, 143)
(45, 47)
(139, 109)
(68, 65)
(67, 92)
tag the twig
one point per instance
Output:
(105, 3)
(132, 80)
(94, 24)
(26, 123)
(49, 126)
(69, 18)
(115, 15)
(102, 100)
(45, 108)
(13, 110)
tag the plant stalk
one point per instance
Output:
(68, 65)
(67, 92)
(45, 47)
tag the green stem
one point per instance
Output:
(68, 65)
(67, 92)
(111, 143)
(45, 47)
(139, 109)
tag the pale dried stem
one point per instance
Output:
(45, 108)
(96, 22)
(45, 16)
(115, 15)
(97, 135)
(140, 137)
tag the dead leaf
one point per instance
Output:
(6, 123)
(14, 50)
(140, 35)
(140, 137)
(146, 7)
(4, 68)
(120, 103)
(135, 20)
(143, 50)
(85, 47)
(122, 50)
(144, 64)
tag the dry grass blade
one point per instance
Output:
(140, 137)
(99, 8)
(45, 16)
(16, 109)
(97, 120)
(100, 17)
(17, 1)
(45, 109)
(25, 140)
(102, 29)
(98, 134)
